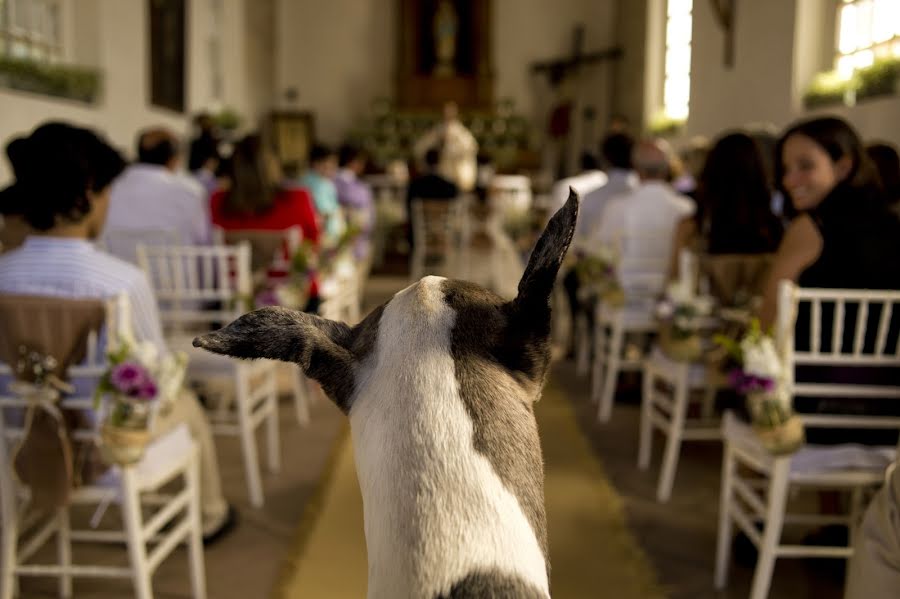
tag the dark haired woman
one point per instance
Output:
(842, 234)
(734, 215)
(258, 200)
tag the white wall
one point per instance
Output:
(779, 46)
(113, 36)
(339, 55)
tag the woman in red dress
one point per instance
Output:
(259, 200)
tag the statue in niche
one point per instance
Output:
(445, 27)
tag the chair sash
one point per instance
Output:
(734, 279)
(265, 246)
(44, 459)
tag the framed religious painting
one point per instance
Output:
(444, 53)
(292, 136)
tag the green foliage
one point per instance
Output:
(662, 125)
(829, 88)
(227, 119)
(879, 78)
(65, 81)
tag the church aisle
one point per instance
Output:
(591, 551)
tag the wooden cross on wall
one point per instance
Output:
(558, 68)
(724, 11)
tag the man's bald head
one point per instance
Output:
(652, 159)
(158, 145)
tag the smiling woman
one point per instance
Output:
(841, 227)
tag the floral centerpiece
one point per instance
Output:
(137, 379)
(293, 290)
(597, 276)
(681, 312)
(759, 375)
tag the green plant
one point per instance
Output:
(65, 81)
(829, 87)
(227, 119)
(879, 78)
(663, 125)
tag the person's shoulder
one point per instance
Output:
(801, 233)
(114, 264)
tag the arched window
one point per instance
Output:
(867, 30)
(677, 85)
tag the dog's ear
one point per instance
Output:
(537, 283)
(527, 337)
(318, 345)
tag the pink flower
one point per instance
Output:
(132, 379)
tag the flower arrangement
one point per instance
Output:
(681, 312)
(136, 379)
(597, 275)
(758, 374)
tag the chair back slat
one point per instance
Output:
(198, 285)
(123, 242)
(881, 340)
(837, 325)
(859, 333)
(861, 326)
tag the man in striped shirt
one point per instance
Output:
(67, 212)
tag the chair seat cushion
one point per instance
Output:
(849, 464)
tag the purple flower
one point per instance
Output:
(745, 383)
(127, 376)
(147, 390)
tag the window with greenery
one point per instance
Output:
(868, 31)
(167, 27)
(677, 86)
(32, 53)
(30, 29)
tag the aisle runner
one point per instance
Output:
(591, 551)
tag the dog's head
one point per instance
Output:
(483, 328)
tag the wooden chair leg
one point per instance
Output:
(64, 551)
(723, 542)
(10, 535)
(273, 437)
(247, 434)
(771, 536)
(137, 549)
(600, 360)
(645, 444)
(300, 393)
(611, 376)
(195, 538)
(673, 435)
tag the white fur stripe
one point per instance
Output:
(435, 509)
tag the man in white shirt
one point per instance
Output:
(152, 194)
(620, 179)
(59, 259)
(648, 214)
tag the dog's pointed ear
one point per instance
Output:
(537, 283)
(318, 345)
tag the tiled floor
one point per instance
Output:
(678, 537)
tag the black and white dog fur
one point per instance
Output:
(439, 385)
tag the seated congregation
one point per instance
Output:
(756, 299)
